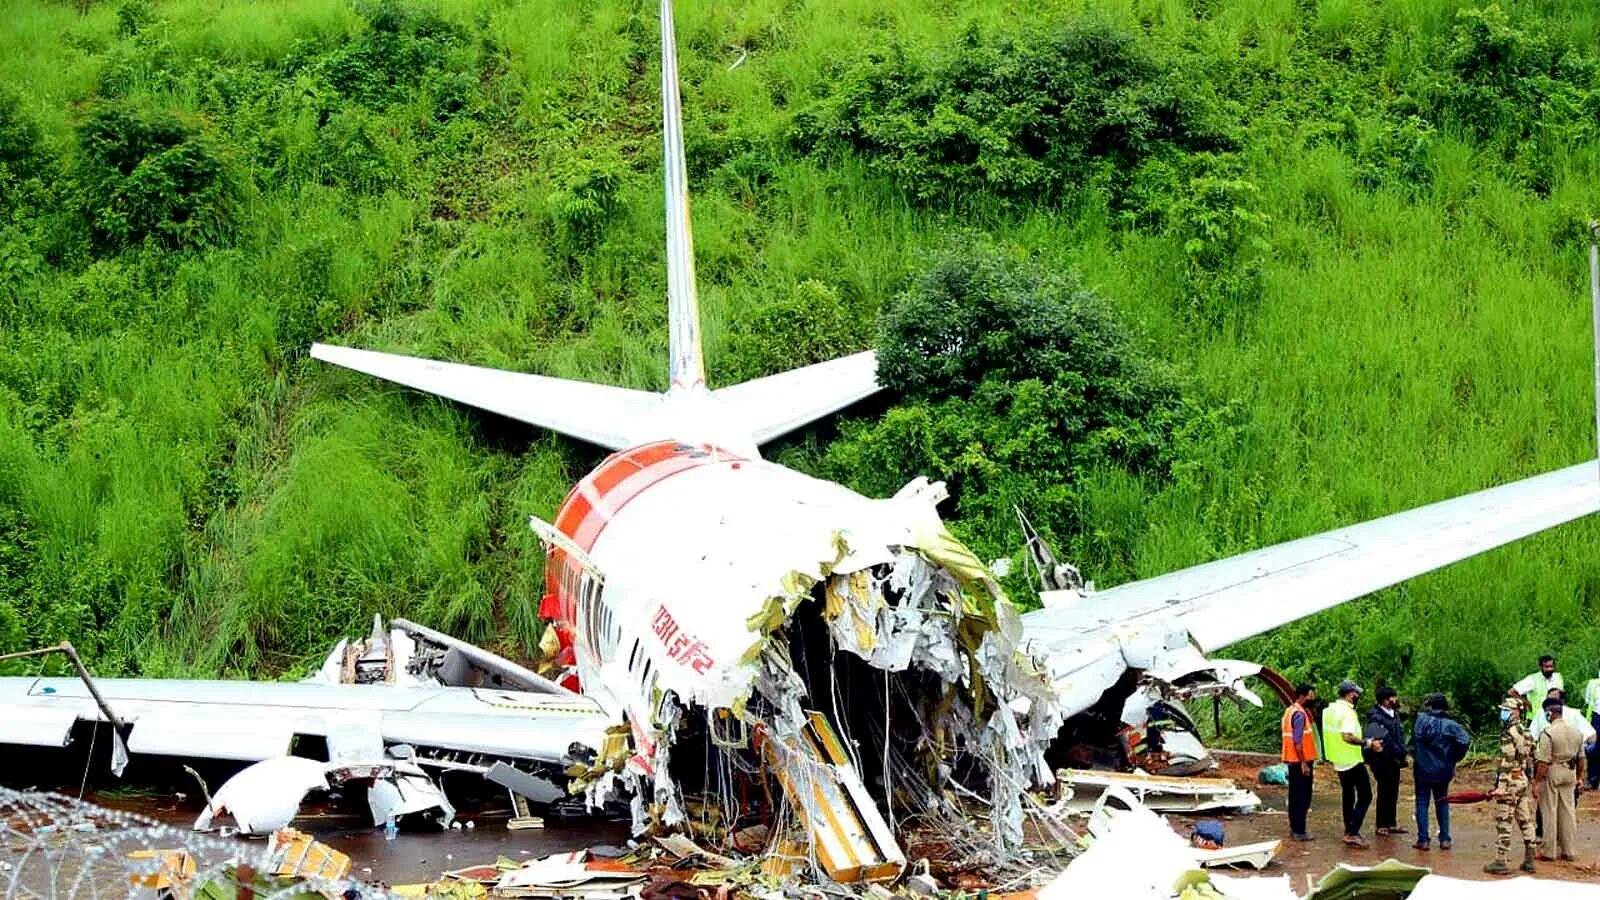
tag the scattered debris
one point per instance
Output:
(295, 854)
(1276, 774)
(265, 797)
(160, 871)
(1158, 794)
(1388, 880)
(569, 875)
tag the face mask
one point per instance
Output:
(1505, 715)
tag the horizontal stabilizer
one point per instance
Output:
(596, 413)
(773, 406)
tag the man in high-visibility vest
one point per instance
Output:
(1342, 743)
(1299, 756)
(1535, 687)
(1591, 711)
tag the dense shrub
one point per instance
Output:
(1017, 115)
(402, 45)
(22, 153)
(1518, 90)
(1220, 219)
(810, 324)
(587, 198)
(1015, 383)
(152, 174)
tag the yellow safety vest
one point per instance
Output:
(1339, 719)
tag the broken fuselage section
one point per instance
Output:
(790, 663)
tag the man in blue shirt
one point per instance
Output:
(1438, 742)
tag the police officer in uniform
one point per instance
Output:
(1558, 765)
(1511, 794)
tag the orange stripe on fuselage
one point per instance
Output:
(601, 494)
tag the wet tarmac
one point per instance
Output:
(422, 856)
(1471, 826)
(411, 856)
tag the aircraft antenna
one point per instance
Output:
(686, 368)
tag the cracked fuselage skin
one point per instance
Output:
(692, 541)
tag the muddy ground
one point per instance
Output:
(422, 856)
(1471, 827)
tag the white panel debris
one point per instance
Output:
(1159, 794)
(265, 796)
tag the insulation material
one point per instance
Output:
(874, 635)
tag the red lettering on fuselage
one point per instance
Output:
(680, 647)
(591, 504)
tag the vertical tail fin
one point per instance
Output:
(687, 368)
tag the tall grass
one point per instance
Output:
(182, 490)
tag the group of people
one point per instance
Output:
(1548, 755)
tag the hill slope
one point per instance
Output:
(1350, 233)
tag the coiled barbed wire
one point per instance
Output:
(54, 847)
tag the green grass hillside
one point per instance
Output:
(1297, 263)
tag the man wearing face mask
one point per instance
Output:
(1383, 725)
(1342, 744)
(1558, 769)
(1510, 794)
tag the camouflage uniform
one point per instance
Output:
(1513, 798)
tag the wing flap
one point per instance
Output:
(212, 737)
(597, 413)
(773, 406)
(1229, 600)
(36, 727)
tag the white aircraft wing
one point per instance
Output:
(597, 413)
(773, 406)
(254, 720)
(1222, 602)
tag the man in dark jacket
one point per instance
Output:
(1383, 723)
(1438, 743)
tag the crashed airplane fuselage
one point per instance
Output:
(700, 592)
(769, 659)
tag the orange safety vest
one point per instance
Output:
(1308, 739)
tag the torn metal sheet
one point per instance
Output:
(848, 833)
(1258, 855)
(408, 793)
(539, 790)
(1440, 887)
(1253, 888)
(266, 796)
(1388, 880)
(564, 874)
(1133, 850)
(1158, 794)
